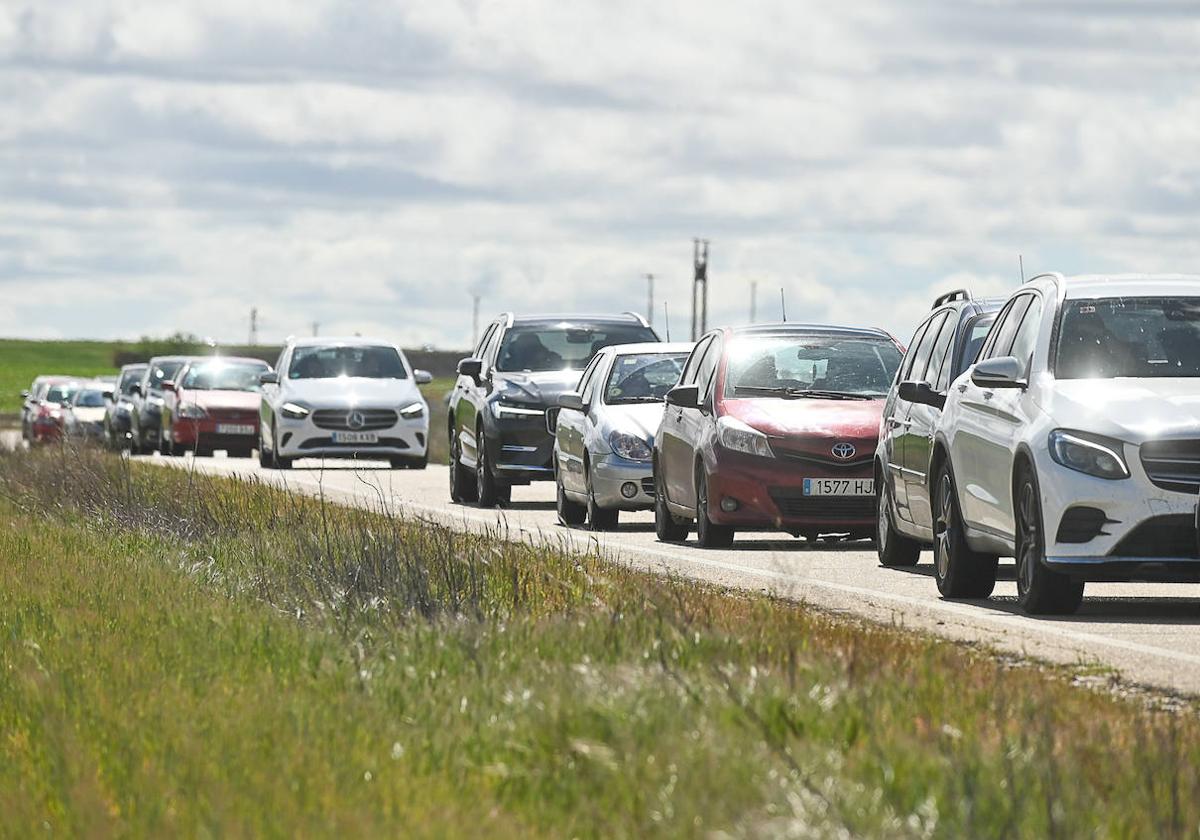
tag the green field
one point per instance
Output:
(188, 655)
(21, 361)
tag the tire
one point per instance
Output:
(667, 527)
(462, 483)
(960, 571)
(1040, 591)
(895, 550)
(708, 533)
(488, 491)
(569, 513)
(409, 462)
(277, 462)
(264, 454)
(599, 519)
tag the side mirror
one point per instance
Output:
(108, 393)
(552, 419)
(169, 386)
(571, 400)
(471, 367)
(24, 395)
(269, 377)
(921, 393)
(1001, 372)
(423, 377)
(684, 396)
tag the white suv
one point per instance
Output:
(1073, 443)
(343, 398)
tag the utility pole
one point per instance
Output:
(650, 298)
(699, 288)
(253, 326)
(316, 327)
(753, 301)
(474, 319)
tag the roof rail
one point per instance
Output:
(1056, 276)
(641, 319)
(957, 294)
(508, 318)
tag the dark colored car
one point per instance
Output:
(116, 417)
(215, 406)
(497, 422)
(773, 428)
(944, 345)
(146, 402)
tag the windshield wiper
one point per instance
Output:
(803, 393)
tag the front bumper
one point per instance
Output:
(304, 439)
(611, 473)
(45, 430)
(522, 449)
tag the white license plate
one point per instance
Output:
(839, 487)
(355, 437)
(234, 429)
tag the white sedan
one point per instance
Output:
(344, 398)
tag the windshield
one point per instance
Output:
(645, 377)
(61, 394)
(818, 366)
(1106, 338)
(164, 371)
(224, 376)
(366, 362)
(564, 346)
(89, 398)
(130, 378)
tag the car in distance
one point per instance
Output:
(83, 416)
(943, 346)
(1073, 443)
(215, 406)
(343, 398)
(497, 413)
(33, 399)
(47, 423)
(116, 415)
(773, 427)
(147, 400)
(604, 432)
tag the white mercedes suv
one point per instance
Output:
(343, 398)
(1073, 443)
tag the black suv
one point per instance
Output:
(944, 346)
(497, 424)
(146, 402)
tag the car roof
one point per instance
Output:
(343, 341)
(135, 366)
(789, 328)
(651, 347)
(1130, 285)
(159, 359)
(600, 318)
(246, 359)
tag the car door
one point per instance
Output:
(468, 398)
(895, 422)
(696, 422)
(981, 421)
(675, 454)
(571, 431)
(922, 420)
(274, 394)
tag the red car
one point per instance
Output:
(773, 428)
(45, 407)
(213, 404)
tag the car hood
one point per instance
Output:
(222, 399)
(1133, 410)
(542, 389)
(349, 392)
(808, 427)
(87, 415)
(639, 419)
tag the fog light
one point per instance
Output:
(729, 505)
(629, 489)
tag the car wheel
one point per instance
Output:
(1040, 591)
(487, 488)
(264, 454)
(708, 534)
(667, 526)
(960, 571)
(599, 519)
(895, 549)
(462, 484)
(569, 513)
(277, 462)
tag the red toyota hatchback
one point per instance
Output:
(773, 428)
(214, 405)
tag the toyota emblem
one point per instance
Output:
(355, 420)
(843, 451)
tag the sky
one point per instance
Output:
(369, 166)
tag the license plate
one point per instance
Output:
(839, 487)
(234, 429)
(355, 437)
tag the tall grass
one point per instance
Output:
(518, 687)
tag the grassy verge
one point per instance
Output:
(199, 655)
(21, 361)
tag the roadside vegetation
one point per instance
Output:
(192, 654)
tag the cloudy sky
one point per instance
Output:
(369, 164)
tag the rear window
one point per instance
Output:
(61, 394)
(130, 378)
(563, 346)
(89, 398)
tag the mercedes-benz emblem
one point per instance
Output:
(355, 420)
(843, 451)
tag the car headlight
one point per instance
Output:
(736, 436)
(503, 410)
(294, 411)
(630, 447)
(414, 411)
(1086, 453)
(191, 411)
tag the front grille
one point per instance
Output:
(1173, 464)
(231, 415)
(327, 443)
(860, 460)
(338, 419)
(793, 503)
(1171, 535)
(1082, 524)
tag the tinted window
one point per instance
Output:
(163, 372)
(224, 376)
(975, 333)
(941, 349)
(645, 377)
(791, 365)
(1027, 333)
(356, 360)
(89, 398)
(911, 354)
(567, 346)
(1134, 336)
(922, 351)
(130, 378)
(61, 394)
(1005, 330)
